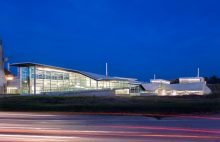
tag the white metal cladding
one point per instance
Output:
(200, 86)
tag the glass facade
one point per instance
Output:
(38, 80)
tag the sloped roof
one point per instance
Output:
(150, 86)
(97, 76)
(88, 74)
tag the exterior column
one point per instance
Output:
(97, 84)
(63, 85)
(35, 76)
(20, 80)
(29, 80)
(50, 80)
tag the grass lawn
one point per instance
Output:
(150, 104)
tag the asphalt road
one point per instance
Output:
(45, 127)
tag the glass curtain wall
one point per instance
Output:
(54, 80)
(113, 84)
(25, 80)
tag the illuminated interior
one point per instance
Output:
(36, 79)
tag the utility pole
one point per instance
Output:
(198, 72)
(106, 70)
(8, 66)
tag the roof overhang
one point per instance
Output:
(90, 75)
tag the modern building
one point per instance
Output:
(34, 78)
(39, 78)
(186, 86)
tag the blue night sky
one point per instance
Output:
(138, 38)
